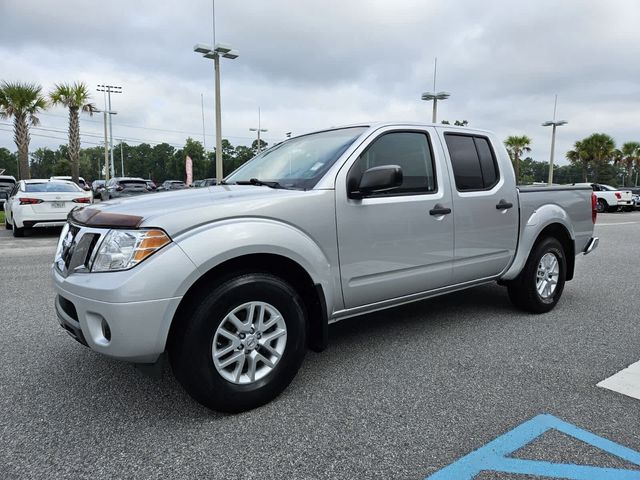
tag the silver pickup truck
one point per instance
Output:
(236, 281)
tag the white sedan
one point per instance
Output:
(42, 203)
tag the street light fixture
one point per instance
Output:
(553, 123)
(433, 96)
(225, 51)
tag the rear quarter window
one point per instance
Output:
(473, 162)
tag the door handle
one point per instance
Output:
(439, 210)
(503, 205)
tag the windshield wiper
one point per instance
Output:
(260, 183)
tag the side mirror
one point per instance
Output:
(378, 179)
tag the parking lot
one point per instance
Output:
(399, 394)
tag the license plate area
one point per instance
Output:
(57, 204)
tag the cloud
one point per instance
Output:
(309, 65)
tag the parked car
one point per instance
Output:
(635, 194)
(172, 185)
(7, 182)
(97, 186)
(350, 220)
(151, 184)
(124, 187)
(42, 203)
(81, 181)
(610, 199)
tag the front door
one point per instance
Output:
(389, 243)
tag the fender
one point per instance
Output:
(539, 219)
(212, 244)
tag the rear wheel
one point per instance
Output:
(539, 286)
(239, 346)
(601, 206)
(18, 232)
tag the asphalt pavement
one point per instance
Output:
(398, 394)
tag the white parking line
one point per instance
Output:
(626, 381)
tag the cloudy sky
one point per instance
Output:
(312, 64)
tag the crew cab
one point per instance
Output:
(236, 281)
(611, 199)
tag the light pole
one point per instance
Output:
(107, 169)
(108, 90)
(553, 123)
(214, 53)
(435, 96)
(259, 129)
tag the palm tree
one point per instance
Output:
(601, 149)
(579, 157)
(628, 156)
(22, 101)
(516, 146)
(76, 98)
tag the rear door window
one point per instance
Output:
(473, 162)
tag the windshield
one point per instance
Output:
(299, 162)
(51, 187)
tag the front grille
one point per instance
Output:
(77, 248)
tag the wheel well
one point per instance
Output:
(283, 267)
(560, 233)
(603, 201)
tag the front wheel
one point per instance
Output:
(7, 225)
(539, 286)
(239, 346)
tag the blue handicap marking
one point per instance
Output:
(494, 456)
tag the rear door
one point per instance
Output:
(389, 244)
(485, 205)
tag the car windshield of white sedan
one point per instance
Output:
(51, 187)
(297, 163)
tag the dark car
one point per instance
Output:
(172, 185)
(97, 186)
(124, 187)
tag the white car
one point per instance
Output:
(42, 203)
(68, 178)
(610, 199)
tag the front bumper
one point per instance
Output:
(132, 331)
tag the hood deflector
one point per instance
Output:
(91, 217)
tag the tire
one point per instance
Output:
(602, 206)
(192, 347)
(523, 291)
(18, 232)
(7, 225)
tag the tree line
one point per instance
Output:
(592, 159)
(158, 162)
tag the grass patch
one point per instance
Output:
(2, 217)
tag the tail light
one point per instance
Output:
(618, 195)
(594, 208)
(30, 201)
(81, 200)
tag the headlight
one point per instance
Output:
(123, 249)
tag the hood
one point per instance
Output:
(180, 210)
